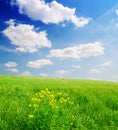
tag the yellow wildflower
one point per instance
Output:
(35, 105)
(46, 89)
(29, 105)
(34, 99)
(71, 103)
(42, 96)
(59, 93)
(38, 100)
(36, 94)
(31, 116)
(52, 96)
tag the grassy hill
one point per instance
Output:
(30, 103)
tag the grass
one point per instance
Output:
(30, 103)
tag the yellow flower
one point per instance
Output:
(34, 99)
(71, 103)
(38, 100)
(35, 105)
(56, 107)
(59, 93)
(36, 94)
(52, 96)
(61, 100)
(65, 94)
(41, 96)
(46, 89)
(52, 102)
(42, 92)
(31, 116)
(29, 105)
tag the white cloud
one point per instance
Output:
(76, 66)
(13, 70)
(100, 68)
(52, 12)
(25, 73)
(43, 75)
(106, 64)
(25, 37)
(61, 72)
(10, 64)
(80, 22)
(39, 63)
(80, 51)
(95, 71)
(63, 25)
(116, 11)
(10, 22)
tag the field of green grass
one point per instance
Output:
(30, 103)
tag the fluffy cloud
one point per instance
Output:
(13, 70)
(100, 68)
(43, 75)
(80, 51)
(10, 64)
(76, 66)
(25, 37)
(39, 63)
(25, 73)
(116, 11)
(52, 12)
(95, 71)
(106, 64)
(61, 72)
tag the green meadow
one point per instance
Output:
(31, 103)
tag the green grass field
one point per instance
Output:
(30, 103)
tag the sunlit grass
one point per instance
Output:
(29, 103)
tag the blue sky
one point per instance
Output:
(61, 38)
